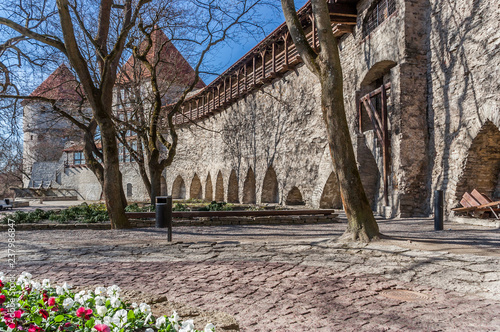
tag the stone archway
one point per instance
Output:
(209, 190)
(195, 191)
(294, 197)
(163, 186)
(219, 188)
(179, 188)
(249, 196)
(482, 165)
(232, 188)
(330, 198)
(270, 187)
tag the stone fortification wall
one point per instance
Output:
(271, 137)
(464, 103)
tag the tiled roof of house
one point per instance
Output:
(60, 85)
(171, 64)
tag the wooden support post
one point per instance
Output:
(230, 87)
(254, 78)
(263, 55)
(285, 38)
(274, 58)
(313, 32)
(385, 144)
(246, 78)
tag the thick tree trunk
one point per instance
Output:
(362, 225)
(112, 187)
(155, 175)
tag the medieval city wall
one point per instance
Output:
(464, 103)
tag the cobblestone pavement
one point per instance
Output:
(291, 277)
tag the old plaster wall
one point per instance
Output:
(464, 103)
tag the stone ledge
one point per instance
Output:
(213, 221)
(475, 221)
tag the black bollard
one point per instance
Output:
(164, 214)
(438, 210)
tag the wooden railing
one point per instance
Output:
(272, 57)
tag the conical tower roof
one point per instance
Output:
(172, 67)
(60, 85)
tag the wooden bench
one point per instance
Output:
(478, 205)
(5, 204)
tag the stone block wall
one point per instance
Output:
(464, 103)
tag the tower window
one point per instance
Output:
(377, 15)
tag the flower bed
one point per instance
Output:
(27, 305)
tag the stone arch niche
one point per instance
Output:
(249, 196)
(209, 190)
(163, 186)
(294, 197)
(232, 188)
(179, 188)
(482, 164)
(219, 188)
(270, 187)
(129, 190)
(195, 191)
(331, 198)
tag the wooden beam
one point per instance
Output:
(343, 9)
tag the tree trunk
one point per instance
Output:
(327, 67)
(361, 223)
(114, 195)
(155, 176)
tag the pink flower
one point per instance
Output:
(1, 284)
(51, 302)
(84, 313)
(44, 313)
(2, 299)
(18, 313)
(34, 328)
(102, 328)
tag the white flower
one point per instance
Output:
(149, 330)
(115, 302)
(46, 283)
(209, 328)
(107, 320)
(134, 305)
(187, 326)
(120, 318)
(145, 309)
(66, 286)
(24, 278)
(100, 300)
(68, 303)
(148, 317)
(36, 285)
(101, 310)
(113, 291)
(161, 322)
(174, 319)
(59, 290)
(100, 291)
(2, 275)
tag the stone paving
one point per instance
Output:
(291, 277)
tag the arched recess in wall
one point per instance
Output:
(219, 188)
(209, 190)
(232, 188)
(270, 187)
(195, 191)
(377, 75)
(294, 197)
(330, 198)
(129, 190)
(482, 166)
(163, 186)
(179, 188)
(249, 196)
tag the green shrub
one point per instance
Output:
(217, 206)
(180, 207)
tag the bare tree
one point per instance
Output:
(325, 64)
(170, 78)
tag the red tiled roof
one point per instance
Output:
(60, 85)
(171, 64)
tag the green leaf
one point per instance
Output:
(38, 320)
(59, 318)
(90, 323)
(130, 315)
